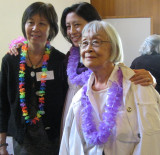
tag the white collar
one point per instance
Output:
(127, 74)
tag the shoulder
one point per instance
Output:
(76, 101)
(137, 61)
(139, 58)
(57, 54)
(127, 72)
(10, 59)
(66, 58)
(143, 93)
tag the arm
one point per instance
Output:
(64, 147)
(148, 111)
(3, 148)
(143, 77)
(3, 110)
(71, 142)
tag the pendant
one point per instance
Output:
(34, 67)
(32, 74)
(37, 93)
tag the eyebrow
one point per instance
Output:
(42, 20)
(77, 21)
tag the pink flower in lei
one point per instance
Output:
(113, 102)
(74, 58)
(16, 41)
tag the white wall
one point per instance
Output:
(133, 31)
(11, 12)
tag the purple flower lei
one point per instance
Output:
(113, 102)
(78, 79)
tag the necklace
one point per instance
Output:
(78, 79)
(34, 66)
(113, 102)
(22, 66)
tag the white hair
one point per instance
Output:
(151, 44)
(112, 34)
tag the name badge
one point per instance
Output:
(50, 75)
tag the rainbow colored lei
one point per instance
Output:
(22, 68)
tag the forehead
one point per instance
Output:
(94, 34)
(73, 17)
(38, 16)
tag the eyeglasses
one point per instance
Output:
(95, 43)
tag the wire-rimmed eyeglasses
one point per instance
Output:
(94, 43)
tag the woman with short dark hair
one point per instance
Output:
(33, 87)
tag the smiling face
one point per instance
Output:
(96, 57)
(37, 29)
(75, 24)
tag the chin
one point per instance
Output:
(76, 44)
(89, 65)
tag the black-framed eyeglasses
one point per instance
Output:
(94, 43)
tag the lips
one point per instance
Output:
(76, 38)
(35, 36)
(90, 57)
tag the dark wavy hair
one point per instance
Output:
(43, 9)
(84, 10)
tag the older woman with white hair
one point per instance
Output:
(110, 115)
(150, 58)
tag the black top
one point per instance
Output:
(11, 119)
(150, 63)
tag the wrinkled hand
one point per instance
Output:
(142, 77)
(13, 50)
(3, 150)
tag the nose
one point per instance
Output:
(88, 48)
(35, 27)
(72, 30)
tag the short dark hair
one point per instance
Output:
(84, 10)
(43, 9)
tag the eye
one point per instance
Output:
(30, 22)
(42, 23)
(68, 27)
(76, 25)
(84, 43)
(95, 42)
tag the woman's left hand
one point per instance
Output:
(142, 77)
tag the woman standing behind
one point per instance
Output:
(73, 19)
(110, 114)
(33, 87)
